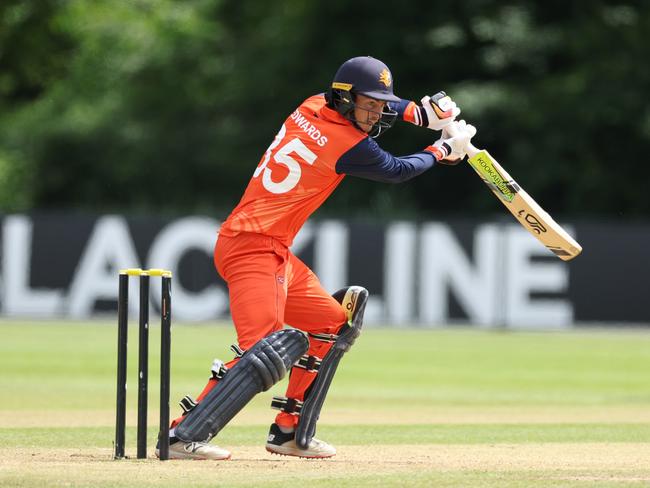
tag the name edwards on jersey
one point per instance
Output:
(309, 129)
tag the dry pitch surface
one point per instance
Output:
(253, 466)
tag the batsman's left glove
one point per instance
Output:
(437, 111)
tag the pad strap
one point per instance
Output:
(188, 404)
(309, 363)
(218, 369)
(329, 338)
(239, 352)
(287, 405)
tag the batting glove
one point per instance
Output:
(440, 110)
(451, 149)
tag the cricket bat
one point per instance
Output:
(529, 214)
(526, 210)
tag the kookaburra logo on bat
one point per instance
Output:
(533, 221)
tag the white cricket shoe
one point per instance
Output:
(196, 450)
(284, 444)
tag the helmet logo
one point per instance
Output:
(384, 77)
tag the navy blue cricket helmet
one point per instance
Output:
(367, 76)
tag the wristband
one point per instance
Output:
(440, 151)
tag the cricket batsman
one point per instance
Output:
(329, 136)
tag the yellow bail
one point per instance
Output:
(146, 272)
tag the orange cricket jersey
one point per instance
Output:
(296, 173)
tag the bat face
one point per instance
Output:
(529, 214)
(502, 186)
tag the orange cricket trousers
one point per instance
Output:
(270, 287)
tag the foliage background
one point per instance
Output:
(166, 106)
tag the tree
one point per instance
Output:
(160, 105)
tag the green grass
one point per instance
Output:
(440, 387)
(454, 367)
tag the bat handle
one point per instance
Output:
(471, 149)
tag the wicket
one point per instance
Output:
(143, 359)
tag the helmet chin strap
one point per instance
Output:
(375, 131)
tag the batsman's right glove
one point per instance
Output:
(451, 149)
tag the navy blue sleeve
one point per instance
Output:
(368, 160)
(399, 107)
(410, 112)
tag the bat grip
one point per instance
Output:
(471, 149)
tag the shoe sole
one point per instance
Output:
(302, 456)
(197, 458)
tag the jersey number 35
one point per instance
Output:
(284, 156)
